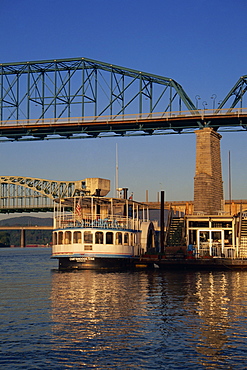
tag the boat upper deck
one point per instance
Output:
(99, 212)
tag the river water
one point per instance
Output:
(128, 320)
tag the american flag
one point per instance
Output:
(78, 207)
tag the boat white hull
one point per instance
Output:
(97, 263)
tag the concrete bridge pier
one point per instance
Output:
(208, 185)
(23, 238)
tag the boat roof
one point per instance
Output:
(87, 200)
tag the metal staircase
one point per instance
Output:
(243, 239)
(175, 234)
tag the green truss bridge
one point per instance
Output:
(84, 98)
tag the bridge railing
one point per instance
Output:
(201, 113)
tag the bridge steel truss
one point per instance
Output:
(235, 95)
(84, 98)
(83, 87)
(26, 194)
(32, 92)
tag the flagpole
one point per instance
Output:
(74, 209)
(116, 191)
(230, 181)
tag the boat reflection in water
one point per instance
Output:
(150, 319)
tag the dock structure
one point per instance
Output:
(208, 231)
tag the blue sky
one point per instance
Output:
(200, 44)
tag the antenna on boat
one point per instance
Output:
(229, 181)
(116, 190)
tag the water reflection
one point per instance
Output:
(92, 301)
(150, 320)
(221, 307)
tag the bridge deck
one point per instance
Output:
(125, 125)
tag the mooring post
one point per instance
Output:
(162, 223)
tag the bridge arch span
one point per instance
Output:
(20, 194)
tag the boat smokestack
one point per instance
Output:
(125, 193)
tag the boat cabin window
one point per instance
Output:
(109, 238)
(119, 238)
(131, 239)
(67, 239)
(99, 237)
(126, 238)
(54, 238)
(77, 237)
(60, 237)
(88, 237)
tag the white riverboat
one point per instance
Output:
(95, 232)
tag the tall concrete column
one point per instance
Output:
(208, 185)
(23, 238)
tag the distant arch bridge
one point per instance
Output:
(27, 194)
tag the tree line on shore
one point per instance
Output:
(33, 237)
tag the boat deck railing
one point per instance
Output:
(116, 222)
